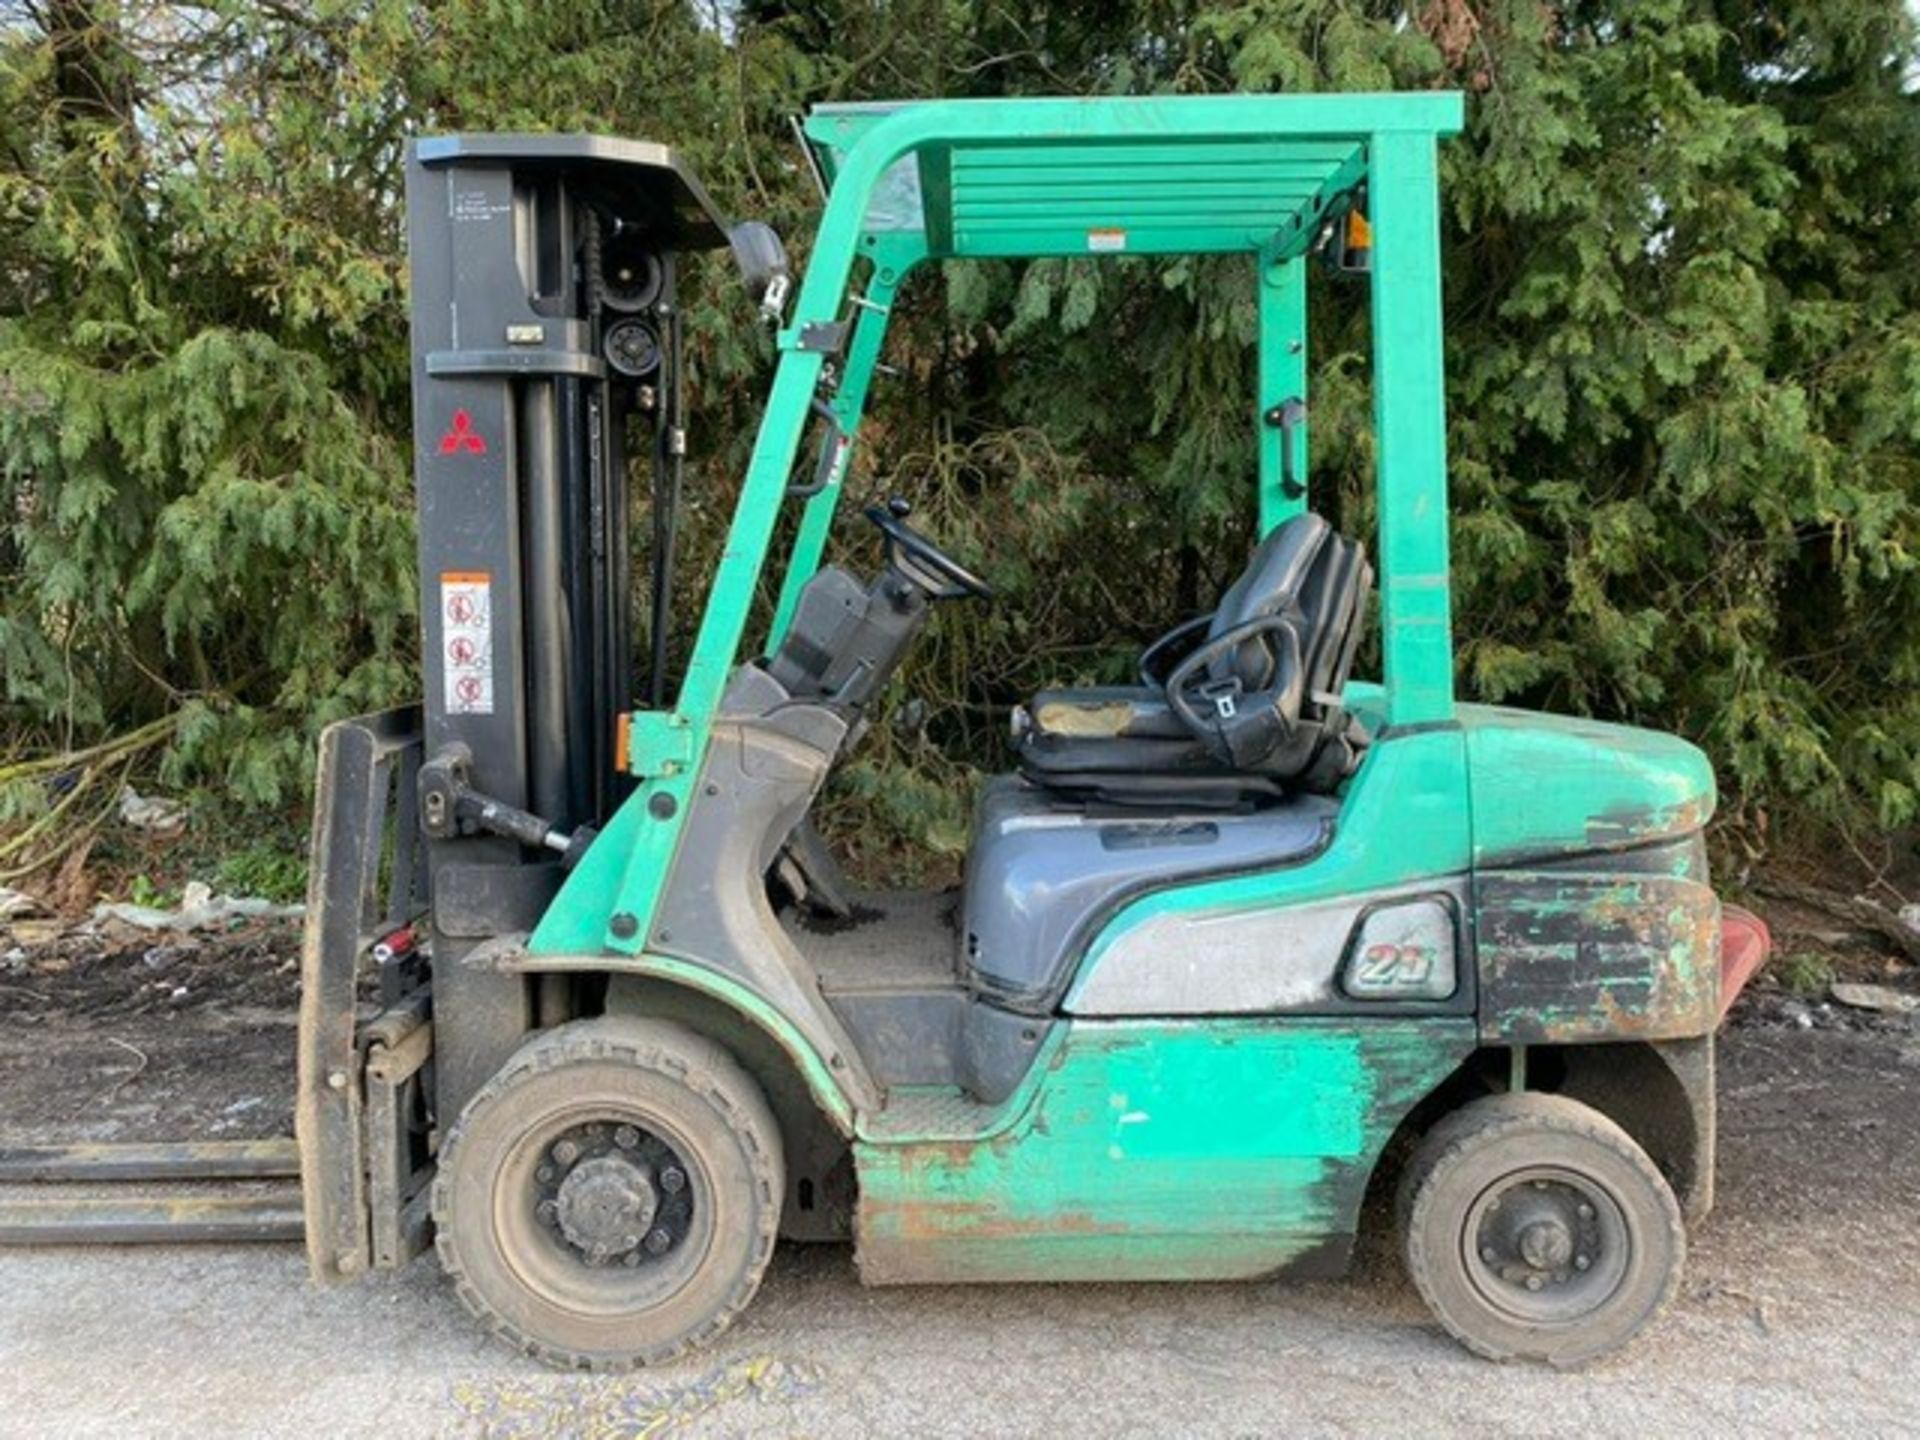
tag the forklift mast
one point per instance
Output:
(544, 319)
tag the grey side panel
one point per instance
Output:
(943, 1038)
(999, 1050)
(1045, 872)
(907, 1037)
(757, 781)
(1382, 952)
(889, 973)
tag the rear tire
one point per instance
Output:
(1535, 1228)
(610, 1199)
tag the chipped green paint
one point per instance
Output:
(1547, 785)
(1155, 1150)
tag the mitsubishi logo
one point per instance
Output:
(462, 437)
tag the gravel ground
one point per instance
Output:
(1800, 1314)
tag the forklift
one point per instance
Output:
(589, 1007)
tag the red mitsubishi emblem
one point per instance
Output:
(462, 437)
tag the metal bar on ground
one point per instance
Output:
(150, 1219)
(170, 1160)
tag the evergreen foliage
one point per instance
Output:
(1684, 358)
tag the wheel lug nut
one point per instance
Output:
(1534, 1282)
(626, 1137)
(543, 1174)
(672, 1179)
(566, 1152)
(1488, 1254)
(658, 1240)
(549, 1211)
(1581, 1262)
(1586, 1211)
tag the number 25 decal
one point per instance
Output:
(1393, 967)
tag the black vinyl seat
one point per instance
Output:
(1236, 707)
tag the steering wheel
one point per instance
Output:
(922, 561)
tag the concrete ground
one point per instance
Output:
(1800, 1314)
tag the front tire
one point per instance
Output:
(1535, 1228)
(610, 1199)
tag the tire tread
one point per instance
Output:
(1483, 1121)
(682, 1055)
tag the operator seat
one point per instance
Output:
(1234, 708)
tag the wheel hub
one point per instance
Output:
(613, 1193)
(1546, 1246)
(606, 1206)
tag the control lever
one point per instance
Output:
(450, 807)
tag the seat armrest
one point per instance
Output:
(1241, 727)
(1159, 658)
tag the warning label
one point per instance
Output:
(466, 639)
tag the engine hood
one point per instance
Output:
(1549, 786)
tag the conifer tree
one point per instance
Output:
(1683, 363)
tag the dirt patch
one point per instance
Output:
(1818, 1123)
(217, 1075)
(114, 971)
(111, 1033)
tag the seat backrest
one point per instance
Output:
(1316, 580)
(1333, 612)
(1273, 581)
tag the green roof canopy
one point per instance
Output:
(1181, 175)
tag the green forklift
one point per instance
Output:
(1244, 949)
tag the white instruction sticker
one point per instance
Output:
(1106, 241)
(466, 639)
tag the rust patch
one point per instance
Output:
(1574, 958)
(1639, 824)
(916, 1218)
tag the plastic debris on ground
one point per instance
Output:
(1883, 998)
(199, 909)
(15, 903)
(150, 813)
